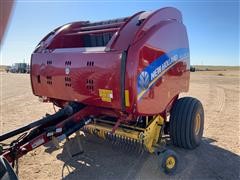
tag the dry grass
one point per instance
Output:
(216, 158)
(3, 68)
(217, 68)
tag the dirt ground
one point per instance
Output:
(216, 158)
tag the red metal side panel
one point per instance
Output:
(163, 14)
(77, 76)
(163, 68)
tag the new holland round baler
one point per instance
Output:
(118, 79)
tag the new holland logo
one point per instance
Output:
(144, 80)
(67, 70)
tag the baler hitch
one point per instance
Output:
(65, 112)
(59, 125)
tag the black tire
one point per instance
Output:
(168, 160)
(186, 123)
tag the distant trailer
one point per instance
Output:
(19, 68)
(192, 69)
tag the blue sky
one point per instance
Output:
(213, 26)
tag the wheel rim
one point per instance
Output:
(197, 123)
(170, 162)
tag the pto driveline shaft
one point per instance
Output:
(62, 112)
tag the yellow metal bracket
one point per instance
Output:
(152, 132)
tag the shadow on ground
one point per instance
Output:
(102, 160)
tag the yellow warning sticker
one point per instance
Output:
(106, 95)
(127, 102)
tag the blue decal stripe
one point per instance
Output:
(157, 68)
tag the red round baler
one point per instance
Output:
(118, 79)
